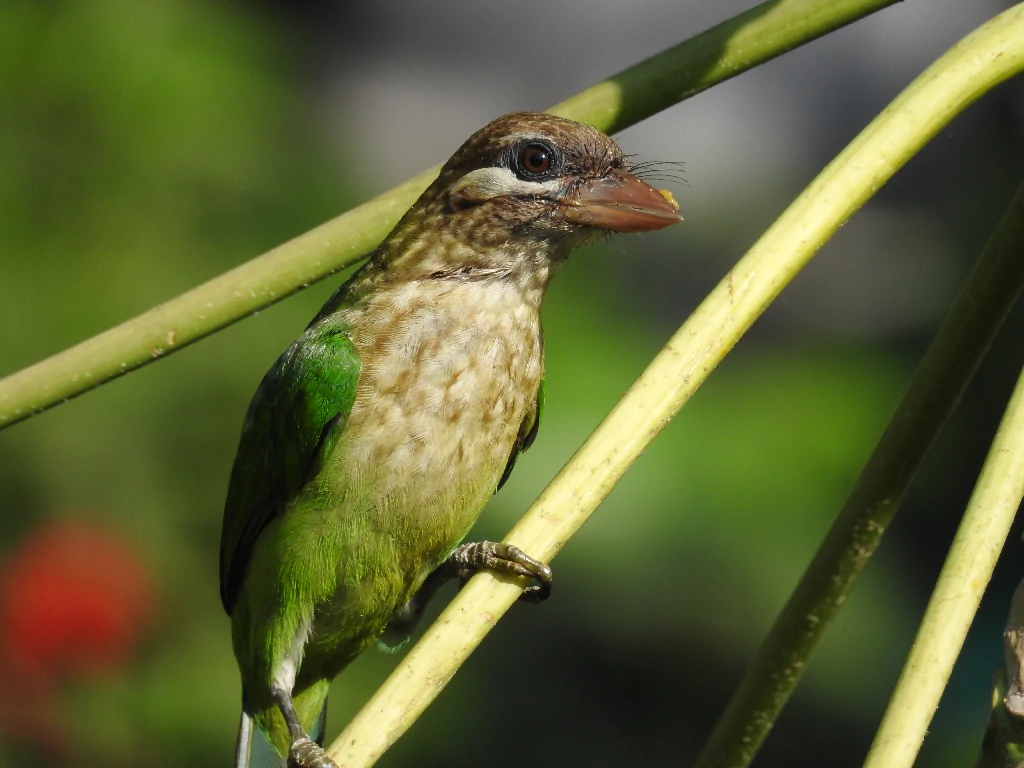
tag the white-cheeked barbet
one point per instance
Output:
(375, 440)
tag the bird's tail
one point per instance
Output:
(254, 749)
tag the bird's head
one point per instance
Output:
(524, 191)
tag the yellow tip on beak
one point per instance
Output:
(668, 196)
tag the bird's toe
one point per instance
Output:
(306, 753)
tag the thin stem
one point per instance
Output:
(965, 574)
(765, 31)
(979, 62)
(940, 379)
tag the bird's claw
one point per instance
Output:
(467, 559)
(306, 753)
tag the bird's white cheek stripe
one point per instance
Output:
(485, 183)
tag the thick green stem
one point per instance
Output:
(962, 581)
(978, 63)
(765, 31)
(934, 391)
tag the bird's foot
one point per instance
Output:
(467, 559)
(306, 753)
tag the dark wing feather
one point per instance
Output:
(527, 434)
(294, 419)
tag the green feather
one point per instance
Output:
(294, 420)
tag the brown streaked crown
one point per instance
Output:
(588, 152)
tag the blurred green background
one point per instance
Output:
(146, 147)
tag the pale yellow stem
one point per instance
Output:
(991, 54)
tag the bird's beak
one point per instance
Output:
(623, 203)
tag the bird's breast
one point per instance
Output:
(449, 370)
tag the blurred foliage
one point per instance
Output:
(145, 147)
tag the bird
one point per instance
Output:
(374, 441)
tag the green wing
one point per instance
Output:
(527, 434)
(295, 417)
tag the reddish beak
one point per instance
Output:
(623, 203)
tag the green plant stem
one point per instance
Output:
(765, 31)
(979, 62)
(934, 391)
(962, 581)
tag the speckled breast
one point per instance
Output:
(450, 368)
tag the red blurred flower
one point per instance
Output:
(74, 600)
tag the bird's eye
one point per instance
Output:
(535, 159)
